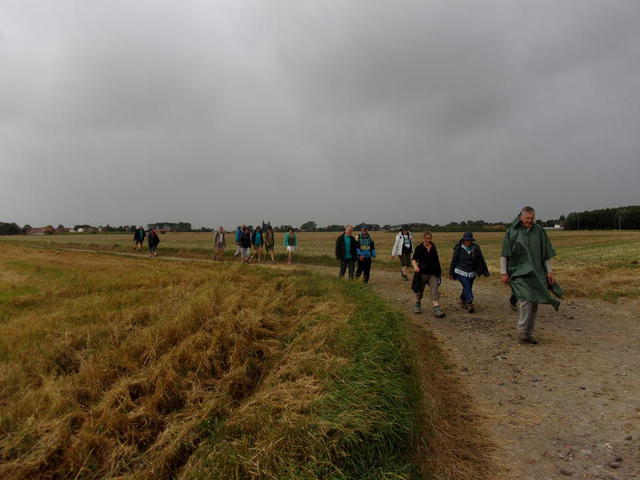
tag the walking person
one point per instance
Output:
(467, 264)
(153, 239)
(219, 244)
(290, 244)
(525, 265)
(403, 248)
(257, 241)
(366, 251)
(346, 252)
(238, 235)
(245, 245)
(270, 243)
(138, 237)
(426, 265)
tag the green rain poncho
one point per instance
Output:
(527, 251)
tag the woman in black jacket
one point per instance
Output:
(467, 263)
(426, 265)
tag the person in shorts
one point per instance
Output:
(403, 248)
(219, 244)
(290, 244)
(426, 265)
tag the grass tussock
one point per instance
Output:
(127, 368)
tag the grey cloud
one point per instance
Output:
(126, 112)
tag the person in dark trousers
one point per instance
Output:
(467, 264)
(346, 252)
(366, 250)
(257, 241)
(153, 240)
(245, 244)
(138, 237)
(270, 243)
(426, 265)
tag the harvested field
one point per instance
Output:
(128, 368)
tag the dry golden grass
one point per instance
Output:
(126, 368)
(114, 369)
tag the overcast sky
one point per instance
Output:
(226, 112)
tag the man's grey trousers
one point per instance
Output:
(527, 319)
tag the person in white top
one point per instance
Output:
(403, 249)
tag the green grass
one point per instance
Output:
(363, 425)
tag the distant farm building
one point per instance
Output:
(41, 230)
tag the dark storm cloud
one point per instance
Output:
(225, 112)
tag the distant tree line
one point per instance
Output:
(173, 226)
(9, 229)
(624, 218)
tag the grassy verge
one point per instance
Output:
(362, 423)
(124, 368)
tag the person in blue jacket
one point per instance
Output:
(467, 264)
(238, 235)
(366, 250)
(139, 236)
(257, 241)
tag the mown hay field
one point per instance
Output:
(127, 368)
(601, 264)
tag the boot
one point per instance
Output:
(437, 312)
(417, 308)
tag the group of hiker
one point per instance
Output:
(525, 266)
(153, 239)
(525, 262)
(255, 243)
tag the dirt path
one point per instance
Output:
(568, 407)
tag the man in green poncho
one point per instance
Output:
(525, 265)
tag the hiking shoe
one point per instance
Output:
(417, 308)
(513, 303)
(528, 340)
(437, 312)
(405, 278)
(470, 308)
